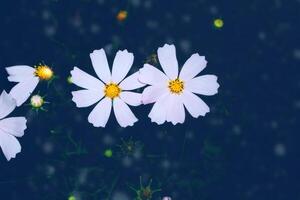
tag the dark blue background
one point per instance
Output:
(245, 148)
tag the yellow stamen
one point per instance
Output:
(44, 72)
(176, 86)
(112, 90)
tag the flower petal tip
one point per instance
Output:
(167, 45)
(97, 125)
(128, 125)
(73, 70)
(157, 122)
(97, 50)
(15, 155)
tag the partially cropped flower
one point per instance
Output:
(171, 92)
(27, 78)
(110, 89)
(10, 128)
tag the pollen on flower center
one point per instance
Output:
(176, 86)
(112, 90)
(43, 72)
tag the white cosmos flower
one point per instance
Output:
(10, 128)
(110, 88)
(172, 91)
(27, 78)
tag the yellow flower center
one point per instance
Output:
(44, 72)
(112, 90)
(176, 86)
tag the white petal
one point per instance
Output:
(205, 85)
(193, 66)
(85, 98)
(168, 61)
(100, 114)
(131, 82)
(10, 145)
(152, 76)
(20, 73)
(194, 104)
(121, 66)
(14, 126)
(152, 93)
(84, 80)
(131, 98)
(124, 115)
(158, 113)
(175, 112)
(22, 91)
(7, 104)
(100, 65)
